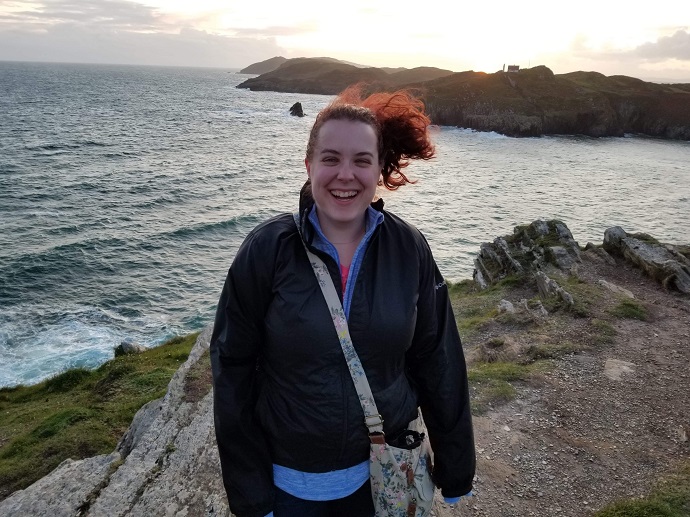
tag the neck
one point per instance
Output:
(354, 240)
(344, 235)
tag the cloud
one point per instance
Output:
(666, 48)
(107, 14)
(274, 31)
(188, 47)
(120, 31)
(676, 46)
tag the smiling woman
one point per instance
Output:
(293, 430)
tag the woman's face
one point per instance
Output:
(344, 172)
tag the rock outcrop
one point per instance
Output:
(530, 248)
(662, 262)
(547, 245)
(166, 464)
(296, 110)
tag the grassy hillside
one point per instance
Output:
(80, 413)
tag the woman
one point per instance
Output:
(289, 425)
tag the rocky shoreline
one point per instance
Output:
(596, 408)
(530, 102)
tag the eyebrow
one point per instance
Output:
(361, 153)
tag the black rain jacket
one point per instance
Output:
(282, 390)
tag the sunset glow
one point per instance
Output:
(609, 37)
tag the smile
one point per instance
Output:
(344, 194)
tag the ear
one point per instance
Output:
(308, 166)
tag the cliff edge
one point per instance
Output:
(578, 371)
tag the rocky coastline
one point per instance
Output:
(527, 103)
(577, 356)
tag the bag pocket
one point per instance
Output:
(423, 480)
(401, 481)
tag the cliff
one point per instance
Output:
(537, 102)
(578, 371)
(264, 66)
(532, 102)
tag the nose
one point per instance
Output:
(346, 171)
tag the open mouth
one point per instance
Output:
(344, 194)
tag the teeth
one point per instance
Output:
(344, 193)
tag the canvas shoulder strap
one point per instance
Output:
(372, 418)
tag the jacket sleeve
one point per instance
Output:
(235, 348)
(436, 367)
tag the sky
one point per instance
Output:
(649, 40)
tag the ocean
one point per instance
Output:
(125, 192)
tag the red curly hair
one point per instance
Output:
(400, 124)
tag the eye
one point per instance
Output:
(329, 159)
(364, 162)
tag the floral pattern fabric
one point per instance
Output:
(401, 483)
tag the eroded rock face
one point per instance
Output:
(166, 464)
(530, 248)
(662, 262)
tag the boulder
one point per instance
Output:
(615, 288)
(599, 253)
(296, 110)
(549, 287)
(506, 306)
(128, 347)
(662, 262)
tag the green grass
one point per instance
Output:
(543, 351)
(491, 383)
(670, 498)
(79, 413)
(630, 309)
(603, 332)
(474, 307)
(584, 296)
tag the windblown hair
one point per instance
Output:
(399, 121)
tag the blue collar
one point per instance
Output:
(373, 220)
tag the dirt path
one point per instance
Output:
(604, 423)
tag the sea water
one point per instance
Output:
(125, 192)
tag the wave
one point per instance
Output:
(67, 145)
(121, 154)
(43, 213)
(56, 265)
(474, 132)
(93, 143)
(38, 342)
(75, 264)
(214, 227)
(52, 147)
